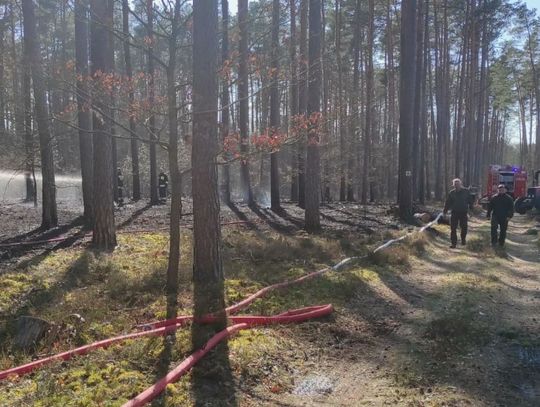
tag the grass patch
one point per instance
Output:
(477, 244)
(418, 243)
(457, 330)
(460, 322)
(397, 255)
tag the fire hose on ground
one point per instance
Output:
(161, 328)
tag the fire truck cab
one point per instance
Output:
(513, 177)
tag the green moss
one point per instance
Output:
(13, 286)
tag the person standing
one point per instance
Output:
(163, 182)
(459, 201)
(500, 211)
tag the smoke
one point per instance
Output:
(262, 197)
(13, 187)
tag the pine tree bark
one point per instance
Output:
(302, 100)
(293, 100)
(176, 187)
(406, 105)
(2, 89)
(370, 111)
(154, 199)
(49, 216)
(418, 97)
(340, 105)
(243, 96)
(112, 128)
(207, 262)
(21, 87)
(355, 100)
(392, 110)
(423, 159)
(225, 99)
(134, 145)
(104, 231)
(274, 108)
(313, 176)
(83, 109)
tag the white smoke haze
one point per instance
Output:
(13, 188)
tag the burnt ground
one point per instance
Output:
(21, 223)
(421, 325)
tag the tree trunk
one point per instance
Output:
(424, 156)
(406, 105)
(131, 97)
(370, 112)
(243, 96)
(49, 215)
(340, 105)
(302, 101)
(83, 109)
(176, 187)
(207, 263)
(22, 109)
(354, 121)
(154, 198)
(111, 122)
(293, 101)
(390, 166)
(312, 215)
(3, 88)
(274, 108)
(418, 98)
(104, 232)
(225, 98)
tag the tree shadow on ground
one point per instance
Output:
(275, 223)
(283, 213)
(134, 216)
(356, 215)
(163, 366)
(19, 251)
(212, 381)
(38, 258)
(356, 225)
(243, 217)
(42, 298)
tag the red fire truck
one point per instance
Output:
(515, 179)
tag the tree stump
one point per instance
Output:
(30, 331)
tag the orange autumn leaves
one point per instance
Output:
(271, 139)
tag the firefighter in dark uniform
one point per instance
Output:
(459, 201)
(163, 182)
(500, 211)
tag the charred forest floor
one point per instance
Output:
(417, 325)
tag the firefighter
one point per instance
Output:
(163, 183)
(500, 211)
(459, 201)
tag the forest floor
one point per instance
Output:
(419, 324)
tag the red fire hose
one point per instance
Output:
(163, 327)
(298, 315)
(240, 305)
(287, 317)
